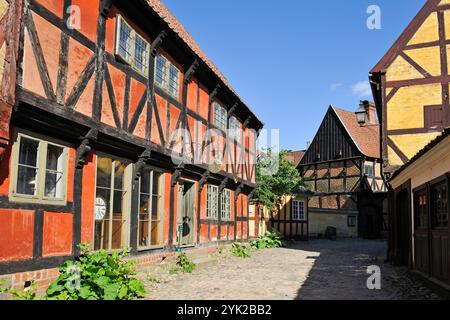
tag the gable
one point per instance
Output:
(331, 142)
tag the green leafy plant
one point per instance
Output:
(186, 265)
(152, 279)
(240, 250)
(267, 241)
(174, 270)
(97, 276)
(29, 293)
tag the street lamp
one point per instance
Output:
(361, 114)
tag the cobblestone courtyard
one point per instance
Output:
(319, 269)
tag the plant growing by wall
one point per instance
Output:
(97, 276)
(272, 184)
(267, 241)
(186, 265)
(29, 293)
(240, 250)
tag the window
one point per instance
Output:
(225, 201)
(298, 210)
(110, 204)
(433, 117)
(439, 205)
(421, 210)
(39, 171)
(212, 200)
(369, 169)
(149, 234)
(132, 48)
(167, 75)
(220, 116)
(351, 221)
(235, 128)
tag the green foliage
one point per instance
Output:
(267, 241)
(152, 279)
(271, 187)
(185, 264)
(174, 270)
(29, 293)
(240, 250)
(97, 276)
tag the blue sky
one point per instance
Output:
(290, 59)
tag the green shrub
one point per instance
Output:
(240, 250)
(267, 241)
(97, 276)
(29, 293)
(174, 270)
(186, 265)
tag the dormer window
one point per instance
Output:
(131, 47)
(167, 76)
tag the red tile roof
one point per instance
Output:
(295, 157)
(181, 31)
(366, 138)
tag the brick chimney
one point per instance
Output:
(371, 110)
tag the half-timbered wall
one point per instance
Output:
(72, 87)
(413, 85)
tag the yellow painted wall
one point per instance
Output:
(319, 221)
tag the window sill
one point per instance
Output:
(32, 200)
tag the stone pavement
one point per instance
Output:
(317, 270)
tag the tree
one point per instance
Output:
(273, 182)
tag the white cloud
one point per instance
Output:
(336, 86)
(362, 89)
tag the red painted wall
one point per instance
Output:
(16, 234)
(57, 234)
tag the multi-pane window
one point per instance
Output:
(369, 169)
(149, 234)
(225, 202)
(167, 75)
(421, 210)
(110, 204)
(439, 205)
(298, 210)
(220, 116)
(39, 170)
(212, 202)
(235, 128)
(131, 47)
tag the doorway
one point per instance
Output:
(186, 213)
(402, 228)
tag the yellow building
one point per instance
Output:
(411, 85)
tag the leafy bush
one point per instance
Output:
(97, 276)
(267, 241)
(186, 265)
(240, 250)
(29, 293)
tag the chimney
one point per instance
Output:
(372, 118)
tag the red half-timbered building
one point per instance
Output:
(105, 133)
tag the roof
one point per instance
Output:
(366, 138)
(295, 157)
(184, 35)
(405, 36)
(421, 153)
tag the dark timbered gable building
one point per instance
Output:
(107, 109)
(342, 167)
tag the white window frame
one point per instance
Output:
(160, 194)
(167, 68)
(222, 115)
(39, 196)
(212, 202)
(134, 35)
(225, 202)
(298, 210)
(235, 128)
(369, 166)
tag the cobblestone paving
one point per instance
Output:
(316, 270)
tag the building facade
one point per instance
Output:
(411, 90)
(113, 131)
(342, 167)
